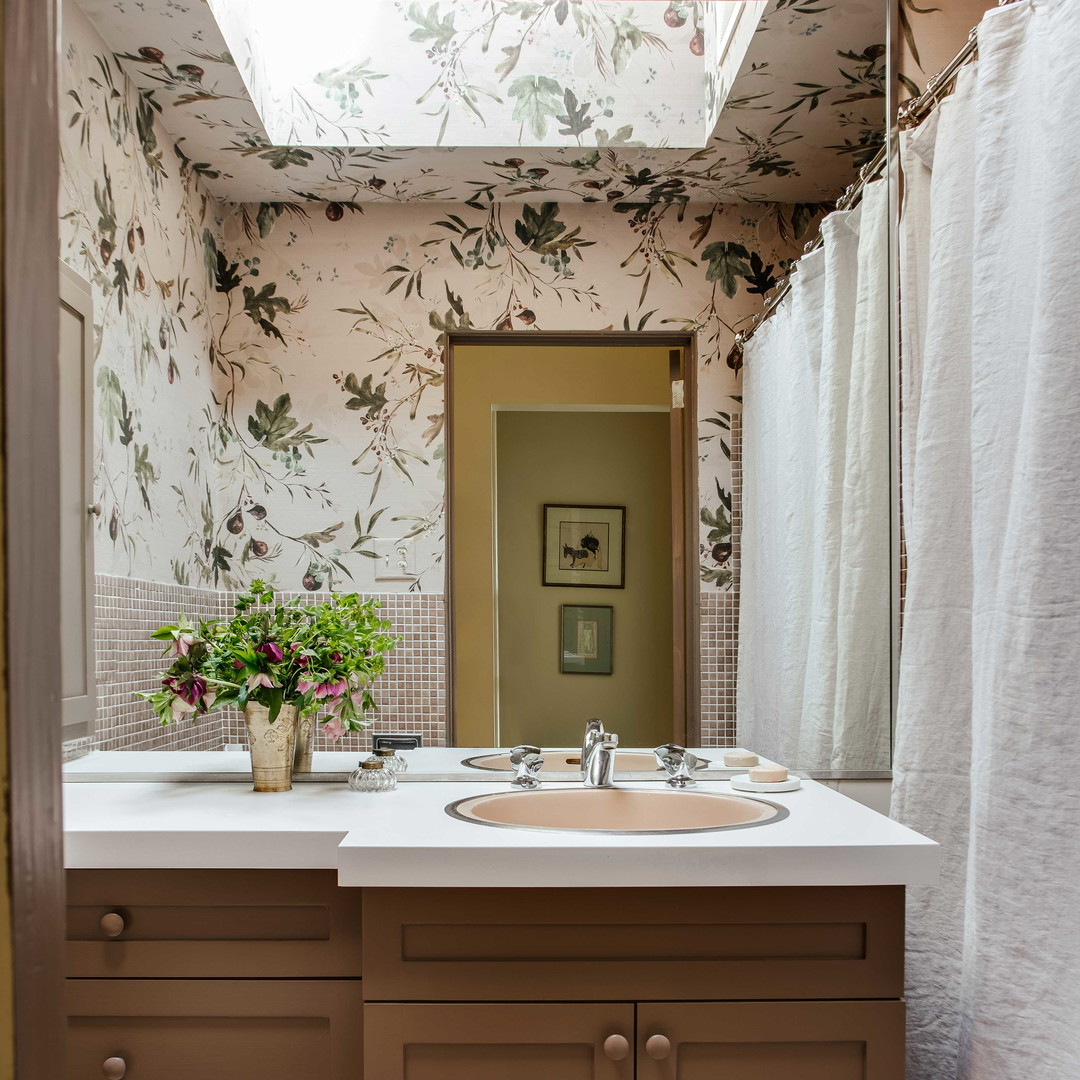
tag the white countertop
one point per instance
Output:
(405, 838)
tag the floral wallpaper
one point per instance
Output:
(138, 224)
(806, 109)
(461, 73)
(269, 376)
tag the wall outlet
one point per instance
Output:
(397, 741)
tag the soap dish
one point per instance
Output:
(742, 782)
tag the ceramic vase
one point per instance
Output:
(305, 740)
(271, 746)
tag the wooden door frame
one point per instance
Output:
(686, 591)
(29, 681)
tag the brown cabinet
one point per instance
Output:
(496, 1041)
(159, 1029)
(238, 974)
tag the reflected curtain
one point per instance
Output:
(814, 638)
(988, 725)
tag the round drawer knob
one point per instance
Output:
(616, 1047)
(114, 1068)
(657, 1047)
(112, 925)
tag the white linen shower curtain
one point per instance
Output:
(988, 725)
(814, 647)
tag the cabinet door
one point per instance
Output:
(796, 1040)
(493, 1042)
(160, 1029)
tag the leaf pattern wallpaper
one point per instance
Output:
(140, 227)
(269, 376)
(805, 110)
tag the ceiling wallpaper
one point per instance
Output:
(462, 73)
(804, 112)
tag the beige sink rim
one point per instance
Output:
(557, 761)
(646, 813)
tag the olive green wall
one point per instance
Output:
(583, 458)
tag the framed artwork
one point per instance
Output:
(586, 639)
(584, 546)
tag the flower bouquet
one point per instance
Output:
(281, 664)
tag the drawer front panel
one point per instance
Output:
(212, 923)
(797, 1040)
(603, 945)
(497, 1041)
(175, 1030)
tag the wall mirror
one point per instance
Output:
(493, 385)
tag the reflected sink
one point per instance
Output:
(636, 761)
(615, 810)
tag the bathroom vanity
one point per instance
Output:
(328, 935)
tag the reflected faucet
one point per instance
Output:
(594, 729)
(599, 763)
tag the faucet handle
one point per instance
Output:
(677, 762)
(527, 762)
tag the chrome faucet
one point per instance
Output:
(678, 763)
(526, 761)
(599, 762)
(594, 729)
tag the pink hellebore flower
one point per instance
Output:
(272, 651)
(260, 679)
(182, 645)
(336, 658)
(332, 689)
(301, 661)
(181, 708)
(303, 686)
(334, 728)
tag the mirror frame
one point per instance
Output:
(686, 602)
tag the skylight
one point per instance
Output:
(499, 73)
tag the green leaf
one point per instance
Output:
(538, 99)
(575, 119)
(274, 428)
(262, 307)
(727, 262)
(364, 396)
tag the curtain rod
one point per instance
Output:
(912, 113)
(915, 110)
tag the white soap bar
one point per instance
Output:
(741, 759)
(768, 774)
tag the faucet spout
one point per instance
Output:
(599, 763)
(594, 729)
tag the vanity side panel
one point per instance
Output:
(184, 924)
(633, 944)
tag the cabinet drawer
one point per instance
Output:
(239, 1030)
(632, 944)
(212, 923)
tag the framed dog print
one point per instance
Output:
(584, 546)
(586, 640)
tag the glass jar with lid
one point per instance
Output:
(372, 776)
(391, 759)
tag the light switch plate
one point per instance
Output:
(395, 559)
